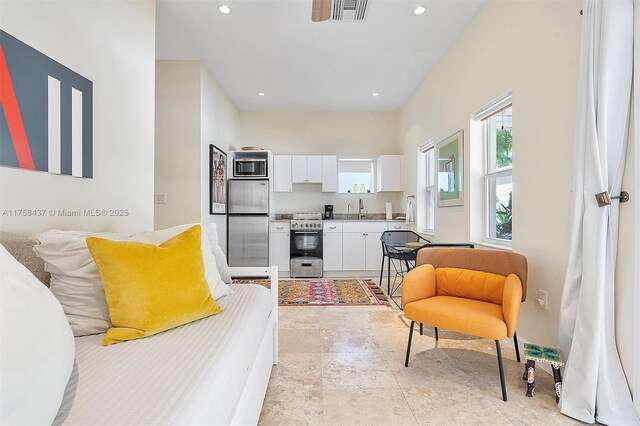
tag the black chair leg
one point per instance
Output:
(381, 270)
(515, 343)
(436, 328)
(421, 330)
(406, 361)
(389, 276)
(501, 367)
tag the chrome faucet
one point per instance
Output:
(349, 211)
(360, 208)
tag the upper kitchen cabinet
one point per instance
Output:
(329, 173)
(306, 168)
(282, 173)
(314, 168)
(389, 173)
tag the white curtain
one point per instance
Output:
(594, 386)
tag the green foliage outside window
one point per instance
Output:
(503, 147)
(503, 159)
(504, 220)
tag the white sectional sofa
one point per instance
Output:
(211, 371)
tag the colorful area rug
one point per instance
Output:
(321, 292)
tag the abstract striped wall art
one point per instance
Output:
(46, 122)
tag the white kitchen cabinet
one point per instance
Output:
(365, 226)
(353, 251)
(306, 168)
(282, 180)
(389, 172)
(332, 251)
(314, 168)
(299, 168)
(397, 226)
(332, 226)
(329, 173)
(279, 246)
(362, 250)
(373, 251)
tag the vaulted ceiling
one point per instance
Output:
(273, 47)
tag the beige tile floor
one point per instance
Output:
(345, 365)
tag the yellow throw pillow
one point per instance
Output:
(150, 288)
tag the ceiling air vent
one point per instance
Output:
(339, 10)
(349, 10)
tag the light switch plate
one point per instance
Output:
(160, 198)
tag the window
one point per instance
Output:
(427, 190)
(430, 158)
(497, 133)
(355, 175)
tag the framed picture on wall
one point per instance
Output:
(450, 170)
(217, 180)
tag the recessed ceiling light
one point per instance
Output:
(419, 10)
(374, 94)
(260, 93)
(224, 9)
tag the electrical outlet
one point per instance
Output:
(543, 299)
(160, 198)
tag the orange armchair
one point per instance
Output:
(475, 292)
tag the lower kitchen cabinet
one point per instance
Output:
(353, 251)
(397, 226)
(279, 246)
(332, 251)
(373, 251)
(362, 251)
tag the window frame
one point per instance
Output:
(431, 190)
(493, 173)
(372, 174)
(426, 193)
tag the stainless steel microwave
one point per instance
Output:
(250, 168)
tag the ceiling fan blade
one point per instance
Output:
(321, 10)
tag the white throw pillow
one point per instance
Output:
(76, 283)
(37, 349)
(221, 260)
(75, 280)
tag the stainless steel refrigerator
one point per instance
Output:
(248, 237)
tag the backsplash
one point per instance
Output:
(310, 198)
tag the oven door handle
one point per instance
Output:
(306, 232)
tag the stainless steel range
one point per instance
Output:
(306, 245)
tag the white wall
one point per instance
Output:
(219, 126)
(531, 48)
(113, 45)
(177, 165)
(345, 134)
(193, 111)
